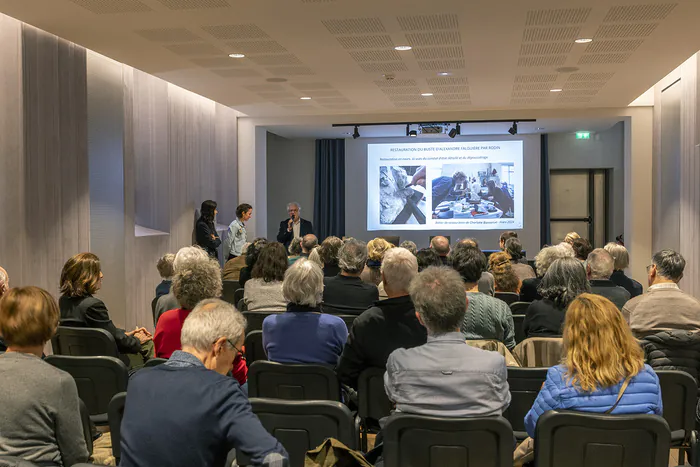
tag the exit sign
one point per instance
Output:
(583, 135)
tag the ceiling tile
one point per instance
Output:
(310, 86)
(194, 4)
(428, 22)
(654, 12)
(201, 48)
(332, 100)
(551, 34)
(601, 76)
(290, 71)
(257, 88)
(392, 83)
(256, 47)
(168, 35)
(432, 53)
(434, 38)
(375, 55)
(366, 42)
(535, 78)
(589, 59)
(629, 45)
(410, 104)
(236, 73)
(277, 95)
(532, 87)
(538, 61)
(613, 31)
(437, 65)
(383, 67)
(236, 31)
(106, 7)
(397, 91)
(354, 26)
(287, 59)
(558, 16)
(447, 81)
(217, 62)
(546, 48)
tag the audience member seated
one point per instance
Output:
(4, 288)
(441, 245)
(570, 237)
(184, 257)
(622, 262)
(233, 267)
(201, 280)
(427, 257)
(375, 252)
(303, 334)
(389, 325)
(601, 357)
(486, 317)
(515, 250)
(308, 243)
(486, 281)
(445, 377)
(187, 412)
(315, 257)
(264, 290)
(294, 251)
(546, 256)
(40, 420)
(329, 256)
(564, 280)
(582, 248)
(505, 236)
(599, 267)
(80, 279)
(251, 257)
(664, 306)
(165, 269)
(347, 290)
(410, 246)
(505, 279)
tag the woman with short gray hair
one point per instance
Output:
(622, 262)
(564, 281)
(303, 334)
(191, 391)
(529, 289)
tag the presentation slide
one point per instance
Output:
(440, 186)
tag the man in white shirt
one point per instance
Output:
(294, 226)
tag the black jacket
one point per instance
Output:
(528, 290)
(91, 312)
(544, 319)
(348, 295)
(285, 238)
(204, 231)
(673, 350)
(631, 285)
(607, 288)
(331, 270)
(389, 325)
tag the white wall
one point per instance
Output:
(291, 165)
(605, 150)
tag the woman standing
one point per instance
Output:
(237, 236)
(205, 230)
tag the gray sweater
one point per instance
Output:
(264, 296)
(488, 318)
(40, 416)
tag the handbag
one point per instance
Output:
(525, 452)
(333, 453)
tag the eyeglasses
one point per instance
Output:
(238, 351)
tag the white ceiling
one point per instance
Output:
(500, 54)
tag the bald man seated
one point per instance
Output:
(308, 243)
(441, 245)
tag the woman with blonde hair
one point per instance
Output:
(375, 253)
(505, 278)
(570, 237)
(603, 367)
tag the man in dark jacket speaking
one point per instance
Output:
(294, 226)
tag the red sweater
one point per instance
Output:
(167, 340)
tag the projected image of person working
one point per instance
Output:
(401, 202)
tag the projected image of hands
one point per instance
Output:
(402, 197)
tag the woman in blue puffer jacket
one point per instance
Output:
(600, 353)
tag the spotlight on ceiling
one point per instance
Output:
(413, 133)
(455, 131)
(514, 129)
(356, 133)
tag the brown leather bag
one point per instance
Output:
(333, 453)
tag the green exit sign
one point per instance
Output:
(583, 135)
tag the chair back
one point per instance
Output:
(87, 426)
(519, 308)
(116, 414)
(539, 352)
(518, 328)
(508, 297)
(238, 296)
(254, 350)
(493, 345)
(255, 319)
(83, 342)
(241, 306)
(372, 401)
(292, 381)
(154, 362)
(229, 290)
(349, 319)
(679, 395)
(420, 441)
(334, 309)
(524, 384)
(577, 439)
(303, 425)
(154, 302)
(98, 379)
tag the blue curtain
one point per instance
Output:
(329, 197)
(545, 233)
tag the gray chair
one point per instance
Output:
(255, 319)
(116, 415)
(372, 402)
(524, 384)
(238, 296)
(679, 395)
(87, 425)
(254, 350)
(519, 308)
(292, 381)
(242, 306)
(229, 291)
(83, 342)
(518, 328)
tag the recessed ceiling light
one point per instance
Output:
(403, 47)
(427, 94)
(305, 98)
(444, 73)
(555, 90)
(583, 40)
(237, 55)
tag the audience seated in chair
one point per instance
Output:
(232, 268)
(308, 243)
(506, 281)
(486, 282)
(303, 334)
(601, 355)
(441, 246)
(347, 290)
(187, 412)
(582, 248)
(166, 271)
(505, 236)
(622, 262)
(376, 248)
(599, 268)
(389, 325)
(328, 251)
(664, 306)
(184, 257)
(486, 317)
(462, 381)
(427, 257)
(565, 280)
(40, 419)
(80, 279)
(264, 290)
(294, 251)
(514, 249)
(410, 246)
(529, 288)
(251, 257)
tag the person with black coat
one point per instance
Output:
(622, 262)
(599, 267)
(205, 229)
(529, 289)
(294, 226)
